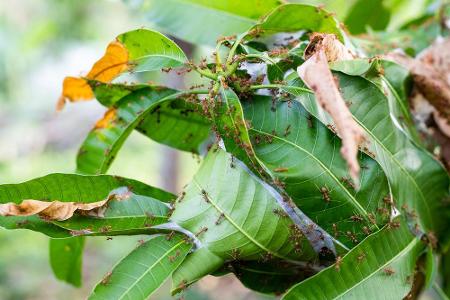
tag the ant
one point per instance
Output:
(172, 258)
(170, 235)
(287, 131)
(366, 230)
(352, 237)
(348, 182)
(393, 225)
(205, 196)
(338, 263)
(183, 194)
(389, 271)
(106, 279)
(372, 218)
(309, 121)
(361, 257)
(388, 200)
(220, 218)
(279, 212)
(335, 230)
(268, 256)
(232, 165)
(325, 194)
(356, 218)
(235, 254)
(183, 285)
(202, 230)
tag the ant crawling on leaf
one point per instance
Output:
(389, 271)
(205, 196)
(106, 279)
(338, 263)
(325, 194)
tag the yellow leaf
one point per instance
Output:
(74, 89)
(107, 120)
(113, 62)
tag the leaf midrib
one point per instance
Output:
(240, 229)
(150, 268)
(352, 198)
(405, 250)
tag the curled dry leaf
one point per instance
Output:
(113, 62)
(431, 74)
(317, 75)
(60, 211)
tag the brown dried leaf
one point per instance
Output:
(429, 79)
(317, 75)
(113, 62)
(60, 211)
(332, 47)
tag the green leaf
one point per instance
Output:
(419, 182)
(66, 256)
(381, 267)
(75, 188)
(34, 223)
(234, 216)
(134, 215)
(202, 21)
(178, 124)
(143, 271)
(109, 94)
(149, 50)
(365, 14)
(304, 155)
(105, 140)
(188, 127)
(296, 17)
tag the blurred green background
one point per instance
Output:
(41, 41)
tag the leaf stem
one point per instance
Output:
(204, 72)
(261, 57)
(219, 66)
(233, 48)
(266, 86)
